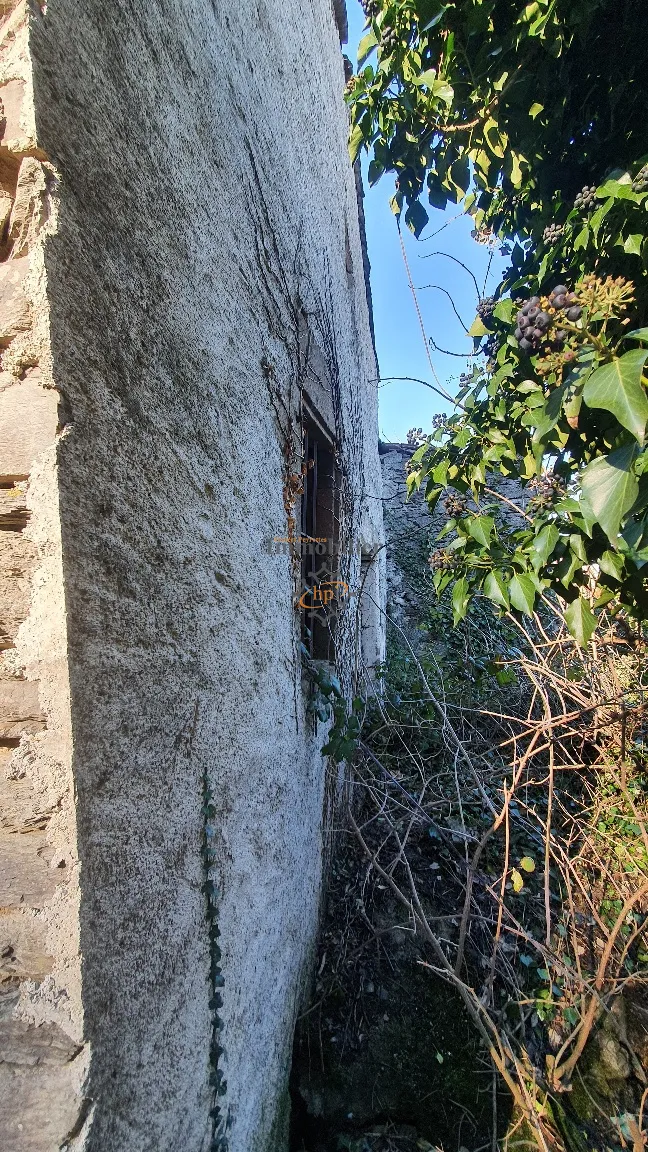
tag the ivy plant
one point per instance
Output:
(530, 116)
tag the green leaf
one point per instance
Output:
(480, 528)
(535, 110)
(582, 238)
(435, 19)
(599, 216)
(617, 189)
(396, 203)
(366, 47)
(617, 388)
(356, 141)
(632, 244)
(609, 489)
(527, 863)
(495, 588)
(443, 91)
(522, 592)
(460, 599)
(580, 620)
(412, 482)
(612, 564)
(637, 334)
(544, 544)
(503, 310)
(477, 328)
(432, 496)
(426, 78)
(416, 218)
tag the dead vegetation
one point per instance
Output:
(499, 805)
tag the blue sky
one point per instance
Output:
(400, 346)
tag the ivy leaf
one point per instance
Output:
(426, 78)
(366, 47)
(580, 620)
(516, 880)
(522, 592)
(356, 141)
(504, 311)
(544, 544)
(432, 497)
(632, 244)
(460, 599)
(396, 204)
(495, 588)
(527, 863)
(412, 482)
(435, 19)
(480, 528)
(617, 388)
(637, 334)
(443, 91)
(416, 218)
(612, 564)
(609, 489)
(477, 328)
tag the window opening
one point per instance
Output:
(319, 539)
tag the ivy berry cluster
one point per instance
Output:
(389, 39)
(441, 560)
(538, 316)
(485, 308)
(553, 233)
(456, 506)
(371, 8)
(586, 198)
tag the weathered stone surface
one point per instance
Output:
(29, 210)
(26, 880)
(17, 561)
(6, 204)
(14, 307)
(28, 420)
(12, 99)
(23, 951)
(20, 710)
(38, 1079)
(41, 1075)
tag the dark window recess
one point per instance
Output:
(319, 525)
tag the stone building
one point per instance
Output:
(187, 375)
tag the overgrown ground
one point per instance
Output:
(481, 978)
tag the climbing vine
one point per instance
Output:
(530, 116)
(217, 1082)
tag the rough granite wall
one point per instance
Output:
(411, 530)
(181, 235)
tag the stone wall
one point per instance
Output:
(182, 266)
(411, 531)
